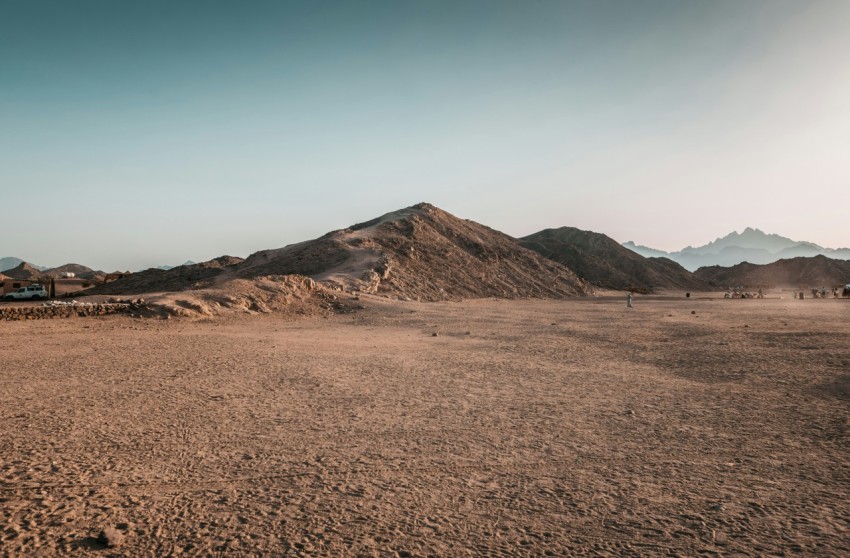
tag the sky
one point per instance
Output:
(136, 134)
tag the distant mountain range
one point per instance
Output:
(751, 245)
(27, 272)
(9, 262)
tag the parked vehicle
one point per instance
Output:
(30, 292)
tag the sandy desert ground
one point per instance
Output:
(682, 427)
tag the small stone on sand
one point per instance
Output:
(111, 537)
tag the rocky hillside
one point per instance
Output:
(181, 278)
(417, 253)
(78, 270)
(817, 271)
(421, 253)
(605, 263)
(9, 262)
(24, 272)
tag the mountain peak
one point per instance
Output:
(417, 253)
(421, 252)
(751, 244)
(23, 271)
(10, 262)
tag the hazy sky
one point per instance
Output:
(143, 133)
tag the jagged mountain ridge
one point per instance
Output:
(748, 238)
(600, 260)
(751, 245)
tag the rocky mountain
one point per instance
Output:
(750, 238)
(79, 271)
(751, 245)
(603, 262)
(10, 263)
(422, 253)
(418, 253)
(814, 272)
(24, 271)
(180, 278)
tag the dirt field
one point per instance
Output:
(524, 428)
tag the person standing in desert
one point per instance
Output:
(629, 300)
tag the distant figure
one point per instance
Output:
(629, 300)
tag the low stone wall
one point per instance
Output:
(60, 311)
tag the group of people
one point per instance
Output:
(741, 294)
(816, 293)
(822, 293)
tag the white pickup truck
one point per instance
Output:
(31, 292)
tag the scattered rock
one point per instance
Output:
(719, 537)
(435, 334)
(111, 537)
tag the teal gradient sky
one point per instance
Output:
(135, 134)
